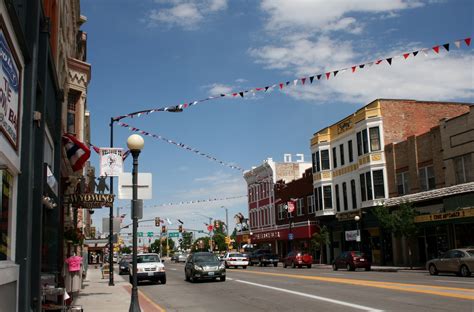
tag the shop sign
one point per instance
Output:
(463, 213)
(90, 200)
(352, 236)
(267, 235)
(9, 88)
(347, 216)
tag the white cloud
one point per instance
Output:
(183, 13)
(435, 77)
(218, 88)
(323, 15)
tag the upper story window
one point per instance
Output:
(403, 183)
(310, 203)
(325, 160)
(353, 194)
(341, 153)
(344, 195)
(374, 133)
(338, 201)
(334, 158)
(379, 187)
(366, 186)
(299, 207)
(313, 157)
(318, 198)
(316, 162)
(281, 211)
(359, 143)
(463, 168)
(73, 98)
(327, 197)
(351, 154)
(365, 141)
(427, 178)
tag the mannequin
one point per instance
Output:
(73, 274)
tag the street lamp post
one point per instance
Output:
(358, 237)
(135, 144)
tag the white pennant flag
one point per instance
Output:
(295, 82)
(457, 43)
(425, 52)
(169, 221)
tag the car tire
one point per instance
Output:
(163, 280)
(186, 276)
(464, 271)
(309, 266)
(293, 265)
(349, 267)
(275, 265)
(334, 267)
(433, 270)
(222, 278)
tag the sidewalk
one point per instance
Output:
(381, 268)
(98, 296)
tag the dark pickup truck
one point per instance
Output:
(262, 257)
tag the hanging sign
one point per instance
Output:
(9, 88)
(111, 162)
(89, 200)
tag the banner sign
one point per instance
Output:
(9, 89)
(111, 162)
(90, 200)
(291, 206)
(463, 213)
(353, 236)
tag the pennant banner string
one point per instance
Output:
(180, 107)
(196, 201)
(181, 145)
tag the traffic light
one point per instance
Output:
(180, 228)
(157, 221)
(163, 229)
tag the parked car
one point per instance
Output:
(235, 259)
(124, 264)
(149, 267)
(298, 259)
(351, 260)
(204, 265)
(459, 261)
(263, 257)
(181, 257)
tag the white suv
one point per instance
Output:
(149, 267)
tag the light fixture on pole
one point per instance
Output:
(135, 143)
(358, 237)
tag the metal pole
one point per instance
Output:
(358, 236)
(111, 215)
(134, 304)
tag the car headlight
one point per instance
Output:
(222, 266)
(198, 267)
(161, 269)
(139, 270)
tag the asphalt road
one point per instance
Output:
(316, 289)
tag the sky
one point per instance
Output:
(149, 54)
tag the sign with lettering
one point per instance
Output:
(352, 236)
(463, 213)
(89, 200)
(9, 88)
(111, 162)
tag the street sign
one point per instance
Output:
(140, 234)
(149, 234)
(173, 234)
(144, 185)
(290, 236)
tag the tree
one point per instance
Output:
(187, 241)
(126, 250)
(319, 240)
(155, 246)
(219, 241)
(401, 222)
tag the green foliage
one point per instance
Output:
(319, 240)
(126, 250)
(219, 227)
(186, 241)
(155, 246)
(401, 222)
(219, 241)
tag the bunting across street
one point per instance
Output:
(317, 77)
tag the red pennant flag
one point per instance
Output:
(436, 49)
(354, 68)
(467, 41)
(234, 94)
(327, 75)
(303, 80)
(185, 105)
(378, 62)
(406, 55)
(281, 86)
(258, 89)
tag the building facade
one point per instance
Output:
(351, 170)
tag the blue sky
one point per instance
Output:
(149, 54)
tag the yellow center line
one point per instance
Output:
(462, 293)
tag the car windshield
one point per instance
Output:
(127, 259)
(470, 252)
(236, 255)
(148, 258)
(206, 258)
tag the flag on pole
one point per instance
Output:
(77, 152)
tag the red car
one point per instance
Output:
(298, 259)
(351, 260)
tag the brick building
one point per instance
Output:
(353, 169)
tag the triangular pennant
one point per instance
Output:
(406, 55)
(467, 41)
(370, 64)
(415, 53)
(311, 79)
(425, 52)
(446, 46)
(295, 82)
(436, 49)
(281, 86)
(457, 43)
(361, 66)
(266, 88)
(303, 80)
(258, 89)
(327, 75)
(389, 60)
(222, 95)
(241, 94)
(234, 94)
(319, 76)
(378, 62)
(335, 72)
(354, 68)
(287, 83)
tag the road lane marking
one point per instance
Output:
(445, 281)
(173, 269)
(142, 295)
(454, 292)
(344, 303)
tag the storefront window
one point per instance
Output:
(6, 180)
